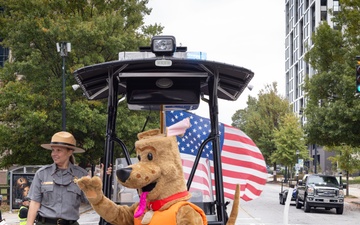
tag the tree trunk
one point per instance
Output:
(274, 173)
(347, 184)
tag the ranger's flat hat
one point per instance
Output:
(63, 139)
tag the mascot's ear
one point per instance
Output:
(148, 134)
(179, 128)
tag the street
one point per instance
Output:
(266, 210)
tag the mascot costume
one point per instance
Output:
(160, 181)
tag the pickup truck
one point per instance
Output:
(320, 191)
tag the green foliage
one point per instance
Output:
(347, 158)
(289, 138)
(348, 20)
(261, 118)
(30, 107)
(332, 106)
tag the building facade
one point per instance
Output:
(4, 52)
(302, 17)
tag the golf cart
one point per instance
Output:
(163, 77)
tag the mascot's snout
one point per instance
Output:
(123, 174)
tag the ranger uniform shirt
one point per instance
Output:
(56, 191)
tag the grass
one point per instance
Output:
(353, 180)
(350, 196)
(4, 208)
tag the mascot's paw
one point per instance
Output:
(92, 187)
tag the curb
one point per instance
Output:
(355, 202)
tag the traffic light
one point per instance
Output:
(358, 77)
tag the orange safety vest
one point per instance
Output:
(168, 216)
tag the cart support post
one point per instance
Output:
(110, 134)
(214, 111)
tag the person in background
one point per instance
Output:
(55, 197)
(108, 170)
(23, 211)
(0, 209)
(25, 191)
(19, 186)
(99, 171)
(21, 182)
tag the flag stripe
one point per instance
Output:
(235, 134)
(240, 178)
(237, 148)
(201, 181)
(232, 159)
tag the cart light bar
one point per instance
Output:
(163, 45)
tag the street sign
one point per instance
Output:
(301, 163)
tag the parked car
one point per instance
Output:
(284, 193)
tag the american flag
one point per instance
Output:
(242, 161)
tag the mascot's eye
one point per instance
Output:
(139, 157)
(150, 156)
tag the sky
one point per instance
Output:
(244, 33)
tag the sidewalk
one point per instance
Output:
(354, 194)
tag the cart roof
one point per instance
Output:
(232, 79)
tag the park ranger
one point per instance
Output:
(55, 198)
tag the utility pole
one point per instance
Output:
(315, 159)
(63, 48)
(297, 166)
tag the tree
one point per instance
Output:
(347, 19)
(347, 159)
(332, 107)
(289, 138)
(261, 118)
(30, 104)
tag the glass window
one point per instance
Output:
(323, 15)
(4, 54)
(336, 6)
(323, 180)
